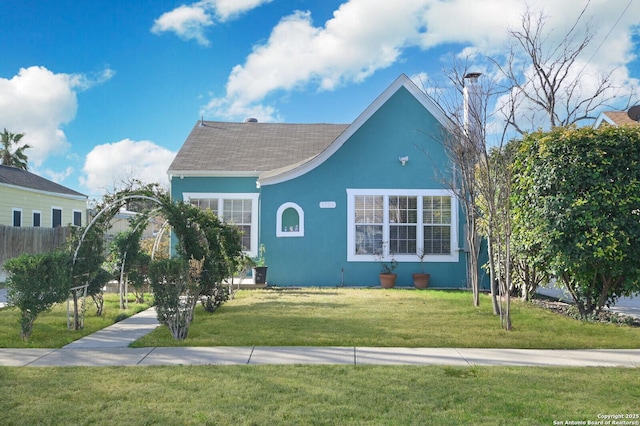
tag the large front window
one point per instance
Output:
(237, 209)
(403, 224)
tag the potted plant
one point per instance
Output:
(260, 266)
(387, 277)
(421, 280)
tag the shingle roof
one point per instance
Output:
(620, 118)
(18, 177)
(247, 147)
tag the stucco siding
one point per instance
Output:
(369, 159)
(212, 184)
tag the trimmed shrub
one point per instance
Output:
(35, 283)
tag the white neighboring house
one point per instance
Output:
(28, 200)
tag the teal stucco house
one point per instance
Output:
(330, 201)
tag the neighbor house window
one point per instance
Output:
(56, 217)
(237, 209)
(402, 224)
(17, 217)
(36, 218)
(77, 218)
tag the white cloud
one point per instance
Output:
(107, 166)
(38, 103)
(189, 22)
(54, 175)
(226, 9)
(365, 36)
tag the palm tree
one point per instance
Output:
(16, 158)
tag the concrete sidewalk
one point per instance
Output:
(254, 355)
(110, 347)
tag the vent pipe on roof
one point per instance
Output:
(251, 120)
(202, 121)
(472, 93)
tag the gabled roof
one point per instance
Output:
(615, 118)
(12, 176)
(250, 148)
(293, 171)
(276, 152)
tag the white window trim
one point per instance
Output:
(454, 256)
(13, 212)
(253, 196)
(281, 209)
(73, 217)
(61, 215)
(33, 212)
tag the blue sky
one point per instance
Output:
(109, 90)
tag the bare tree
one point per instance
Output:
(464, 142)
(545, 81)
(481, 180)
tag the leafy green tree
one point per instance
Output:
(201, 235)
(576, 204)
(35, 283)
(15, 158)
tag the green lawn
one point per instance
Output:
(50, 328)
(373, 317)
(334, 394)
(319, 395)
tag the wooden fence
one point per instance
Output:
(15, 241)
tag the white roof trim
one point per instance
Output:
(401, 81)
(603, 117)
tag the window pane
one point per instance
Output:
(368, 239)
(57, 218)
(403, 209)
(402, 239)
(17, 218)
(36, 219)
(437, 239)
(77, 218)
(436, 210)
(238, 212)
(369, 209)
(206, 204)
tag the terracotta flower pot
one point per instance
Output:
(388, 280)
(421, 281)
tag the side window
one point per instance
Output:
(290, 221)
(240, 209)
(17, 217)
(56, 217)
(36, 218)
(77, 218)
